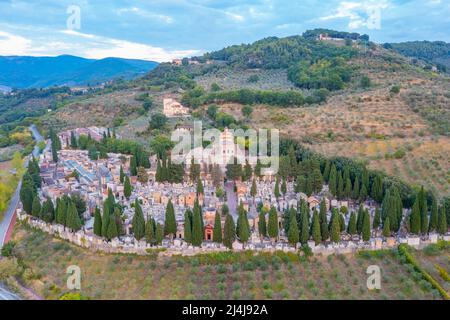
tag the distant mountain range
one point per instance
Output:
(41, 72)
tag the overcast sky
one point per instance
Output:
(162, 30)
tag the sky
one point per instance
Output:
(162, 30)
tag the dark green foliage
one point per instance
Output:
(386, 228)
(262, 224)
(229, 234)
(293, 233)
(316, 234)
(434, 215)
(127, 187)
(48, 214)
(442, 222)
(351, 228)
(272, 227)
(217, 232)
(366, 226)
(170, 225)
(415, 218)
(188, 226)
(377, 218)
(197, 225)
(36, 207)
(97, 222)
(73, 219)
(335, 229)
(138, 221)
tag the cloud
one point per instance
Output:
(11, 44)
(86, 45)
(145, 14)
(356, 12)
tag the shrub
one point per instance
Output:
(8, 249)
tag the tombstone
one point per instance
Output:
(237, 245)
(311, 244)
(433, 237)
(446, 237)
(390, 242)
(177, 243)
(378, 243)
(414, 241)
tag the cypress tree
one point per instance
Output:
(27, 194)
(277, 188)
(61, 212)
(188, 226)
(324, 231)
(127, 188)
(377, 189)
(332, 181)
(170, 225)
(197, 228)
(415, 218)
(73, 140)
(434, 215)
(363, 193)
(323, 210)
(340, 186)
(442, 221)
(359, 219)
(304, 231)
(159, 234)
(365, 180)
(273, 223)
(293, 234)
(97, 222)
(243, 228)
(138, 221)
(342, 222)
(351, 228)
(48, 211)
(316, 235)
(283, 187)
(366, 226)
(121, 174)
(36, 207)
(73, 219)
(386, 228)
(355, 194)
(348, 188)
(199, 187)
(150, 231)
(377, 218)
(309, 186)
(326, 171)
(105, 218)
(253, 190)
(423, 211)
(112, 229)
(133, 166)
(262, 225)
(335, 229)
(217, 232)
(229, 232)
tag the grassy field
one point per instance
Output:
(222, 276)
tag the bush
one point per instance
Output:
(8, 249)
(395, 89)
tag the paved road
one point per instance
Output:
(9, 214)
(5, 294)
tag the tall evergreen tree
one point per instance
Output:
(97, 222)
(48, 211)
(170, 225)
(150, 232)
(229, 232)
(293, 234)
(188, 226)
(377, 218)
(272, 227)
(73, 219)
(61, 212)
(386, 228)
(262, 225)
(434, 215)
(326, 171)
(138, 221)
(253, 190)
(304, 231)
(377, 189)
(340, 186)
(360, 219)
(351, 228)
(366, 226)
(121, 175)
(415, 218)
(107, 209)
(133, 166)
(197, 226)
(355, 194)
(442, 222)
(276, 190)
(242, 226)
(127, 187)
(332, 181)
(423, 211)
(217, 232)
(335, 229)
(348, 188)
(36, 207)
(363, 193)
(159, 234)
(200, 187)
(73, 140)
(316, 235)
(112, 232)
(365, 180)
(283, 187)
